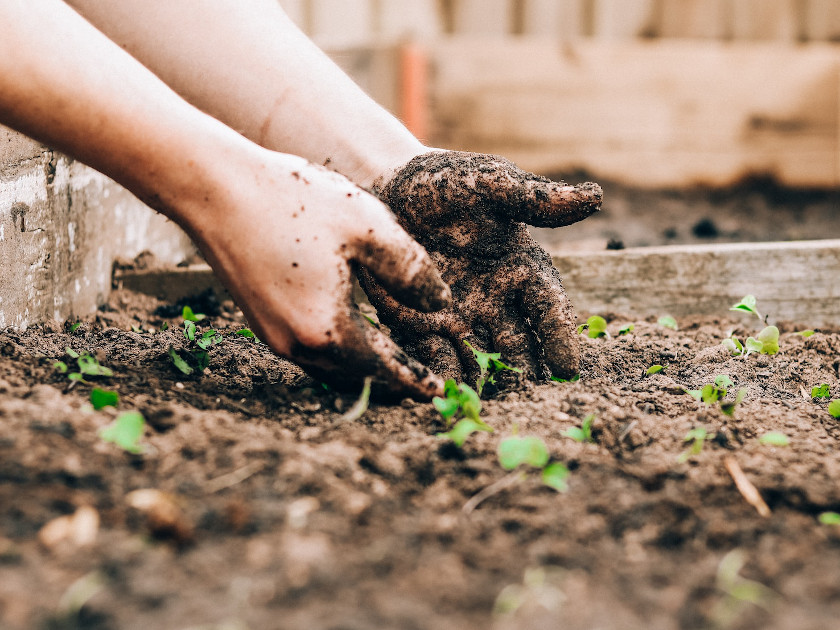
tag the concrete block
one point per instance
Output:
(483, 17)
(61, 226)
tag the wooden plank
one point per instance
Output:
(647, 113)
(793, 281)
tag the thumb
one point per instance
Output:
(402, 266)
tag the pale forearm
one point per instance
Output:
(64, 83)
(248, 65)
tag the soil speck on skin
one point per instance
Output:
(325, 524)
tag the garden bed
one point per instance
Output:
(277, 513)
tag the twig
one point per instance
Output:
(232, 478)
(494, 488)
(745, 487)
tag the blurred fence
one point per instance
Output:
(335, 23)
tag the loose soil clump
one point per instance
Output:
(262, 508)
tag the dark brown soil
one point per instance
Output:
(280, 515)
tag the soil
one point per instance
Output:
(273, 512)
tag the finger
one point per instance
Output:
(402, 266)
(363, 351)
(553, 321)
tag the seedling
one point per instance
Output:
(746, 305)
(361, 405)
(596, 326)
(774, 438)
(460, 400)
(248, 334)
(87, 366)
(188, 315)
(462, 430)
(188, 361)
(583, 433)
(829, 518)
(697, 437)
(654, 369)
(821, 391)
(515, 451)
(574, 379)
(738, 591)
(126, 431)
(716, 392)
(490, 365)
(100, 398)
(735, 347)
(834, 408)
(626, 330)
(75, 327)
(805, 333)
(667, 321)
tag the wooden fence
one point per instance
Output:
(335, 23)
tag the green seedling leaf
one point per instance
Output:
(515, 451)
(489, 365)
(596, 326)
(805, 333)
(202, 360)
(574, 379)
(723, 381)
(179, 363)
(76, 376)
(626, 330)
(446, 407)
(188, 315)
(753, 345)
(734, 346)
(729, 407)
(667, 322)
(60, 366)
(189, 330)
(370, 320)
(248, 334)
(208, 339)
(746, 305)
(774, 438)
(71, 353)
(821, 391)
(75, 327)
(459, 399)
(829, 518)
(164, 326)
(769, 338)
(697, 437)
(125, 431)
(710, 394)
(462, 430)
(583, 433)
(834, 408)
(694, 393)
(654, 369)
(100, 398)
(89, 366)
(554, 476)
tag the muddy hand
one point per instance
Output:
(284, 243)
(469, 211)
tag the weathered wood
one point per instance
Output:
(654, 114)
(793, 281)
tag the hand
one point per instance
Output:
(283, 235)
(469, 211)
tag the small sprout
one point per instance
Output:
(126, 431)
(746, 305)
(100, 398)
(769, 338)
(834, 408)
(179, 363)
(248, 334)
(189, 330)
(75, 376)
(596, 326)
(829, 518)
(574, 379)
(60, 366)
(460, 400)
(697, 437)
(89, 366)
(654, 369)
(738, 590)
(774, 438)
(734, 346)
(729, 407)
(361, 405)
(805, 333)
(821, 391)
(722, 381)
(667, 321)
(626, 330)
(490, 365)
(752, 345)
(208, 339)
(71, 353)
(164, 326)
(75, 327)
(188, 315)
(582, 433)
(462, 430)
(370, 320)
(515, 451)
(554, 476)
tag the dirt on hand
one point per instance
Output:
(469, 211)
